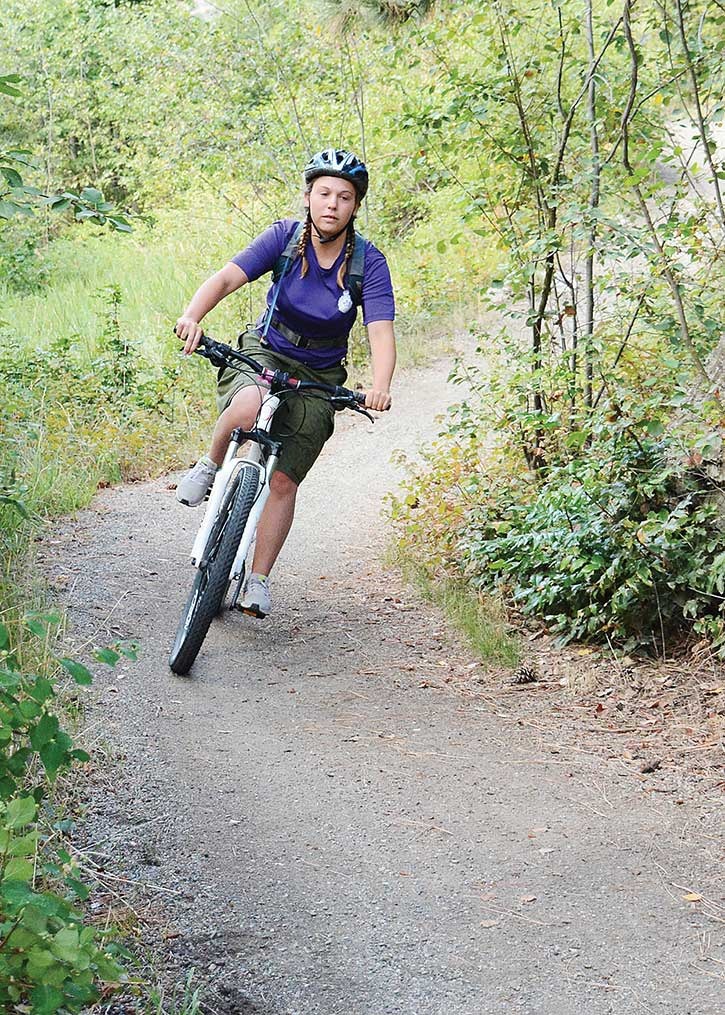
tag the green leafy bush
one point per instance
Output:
(625, 547)
(49, 961)
(23, 269)
(616, 536)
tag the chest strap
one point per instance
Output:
(302, 341)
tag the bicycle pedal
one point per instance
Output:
(252, 611)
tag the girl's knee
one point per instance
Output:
(282, 484)
(244, 408)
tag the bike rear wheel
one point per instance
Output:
(212, 579)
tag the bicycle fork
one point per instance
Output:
(224, 480)
(250, 530)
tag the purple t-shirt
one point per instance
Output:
(309, 305)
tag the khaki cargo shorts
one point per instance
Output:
(302, 422)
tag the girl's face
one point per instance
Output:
(332, 202)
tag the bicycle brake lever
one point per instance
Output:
(346, 403)
(363, 412)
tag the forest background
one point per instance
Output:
(546, 178)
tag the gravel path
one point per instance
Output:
(327, 821)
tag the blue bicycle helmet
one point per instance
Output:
(338, 162)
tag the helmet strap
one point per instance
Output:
(327, 239)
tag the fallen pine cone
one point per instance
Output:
(525, 674)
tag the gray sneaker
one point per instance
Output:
(256, 600)
(197, 482)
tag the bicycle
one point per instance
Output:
(236, 500)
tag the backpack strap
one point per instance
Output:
(285, 259)
(355, 271)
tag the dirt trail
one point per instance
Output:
(329, 824)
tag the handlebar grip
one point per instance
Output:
(348, 395)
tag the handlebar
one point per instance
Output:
(221, 355)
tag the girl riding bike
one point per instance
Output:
(322, 271)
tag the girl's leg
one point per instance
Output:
(241, 411)
(275, 523)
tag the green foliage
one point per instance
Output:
(615, 545)
(89, 205)
(109, 409)
(19, 199)
(618, 537)
(49, 960)
(583, 144)
(23, 269)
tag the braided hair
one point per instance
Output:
(349, 247)
(302, 244)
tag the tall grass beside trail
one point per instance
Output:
(94, 389)
(482, 620)
(156, 268)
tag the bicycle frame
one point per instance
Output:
(230, 466)
(237, 499)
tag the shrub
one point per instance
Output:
(616, 536)
(623, 548)
(49, 961)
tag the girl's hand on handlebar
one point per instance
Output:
(190, 332)
(377, 400)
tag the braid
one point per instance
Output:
(349, 247)
(302, 245)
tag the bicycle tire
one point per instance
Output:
(212, 581)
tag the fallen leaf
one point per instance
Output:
(692, 897)
(528, 898)
(488, 924)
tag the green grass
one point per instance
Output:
(185, 999)
(481, 620)
(156, 270)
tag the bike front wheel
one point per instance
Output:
(212, 578)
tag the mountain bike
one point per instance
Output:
(237, 498)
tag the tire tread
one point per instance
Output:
(190, 637)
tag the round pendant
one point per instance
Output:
(345, 302)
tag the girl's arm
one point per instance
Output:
(206, 297)
(382, 347)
